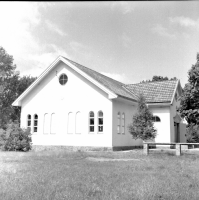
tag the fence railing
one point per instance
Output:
(178, 146)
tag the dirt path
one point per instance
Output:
(110, 159)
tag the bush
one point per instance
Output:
(192, 133)
(142, 126)
(15, 138)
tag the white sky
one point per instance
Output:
(128, 41)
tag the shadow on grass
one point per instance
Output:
(70, 175)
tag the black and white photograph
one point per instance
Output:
(99, 100)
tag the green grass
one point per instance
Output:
(56, 175)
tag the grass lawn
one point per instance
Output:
(60, 175)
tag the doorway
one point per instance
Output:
(176, 132)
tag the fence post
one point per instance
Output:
(146, 149)
(178, 149)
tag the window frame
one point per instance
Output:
(123, 123)
(91, 125)
(29, 120)
(77, 113)
(46, 119)
(70, 123)
(54, 132)
(60, 80)
(118, 124)
(100, 125)
(35, 126)
(156, 118)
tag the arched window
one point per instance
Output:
(70, 123)
(46, 123)
(156, 119)
(123, 123)
(100, 122)
(28, 121)
(35, 123)
(78, 121)
(118, 122)
(53, 124)
(91, 122)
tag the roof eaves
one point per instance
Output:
(90, 78)
(128, 98)
(131, 92)
(158, 103)
(172, 99)
(17, 101)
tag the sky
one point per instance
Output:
(127, 41)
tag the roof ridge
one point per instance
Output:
(132, 92)
(151, 82)
(95, 71)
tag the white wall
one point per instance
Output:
(77, 95)
(129, 108)
(173, 112)
(163, 127)
(183, 133)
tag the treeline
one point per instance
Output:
(158, 78)
(11, 86)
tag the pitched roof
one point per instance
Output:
(113, 85)
(155, 92)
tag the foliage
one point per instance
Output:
(11, 86)
(159, 78)
(15, 138)
(142, 126)
(7, 67)
(192, 133)
(189, 105)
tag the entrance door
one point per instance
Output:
(177, 132)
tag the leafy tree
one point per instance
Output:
(189, 106)
(7, 68)
(159, 78)
(142, 126)
(11, 86)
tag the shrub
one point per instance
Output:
(192, 133)
(142, 126)
(15, 138)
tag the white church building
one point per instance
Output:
(74, 106)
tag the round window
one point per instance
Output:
(63, 79)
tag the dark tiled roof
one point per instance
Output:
(155, 92)
(113, 85)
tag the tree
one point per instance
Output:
(7, 68)
(142, 126)
(159, 78)
(189, 105)
(11, 86)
